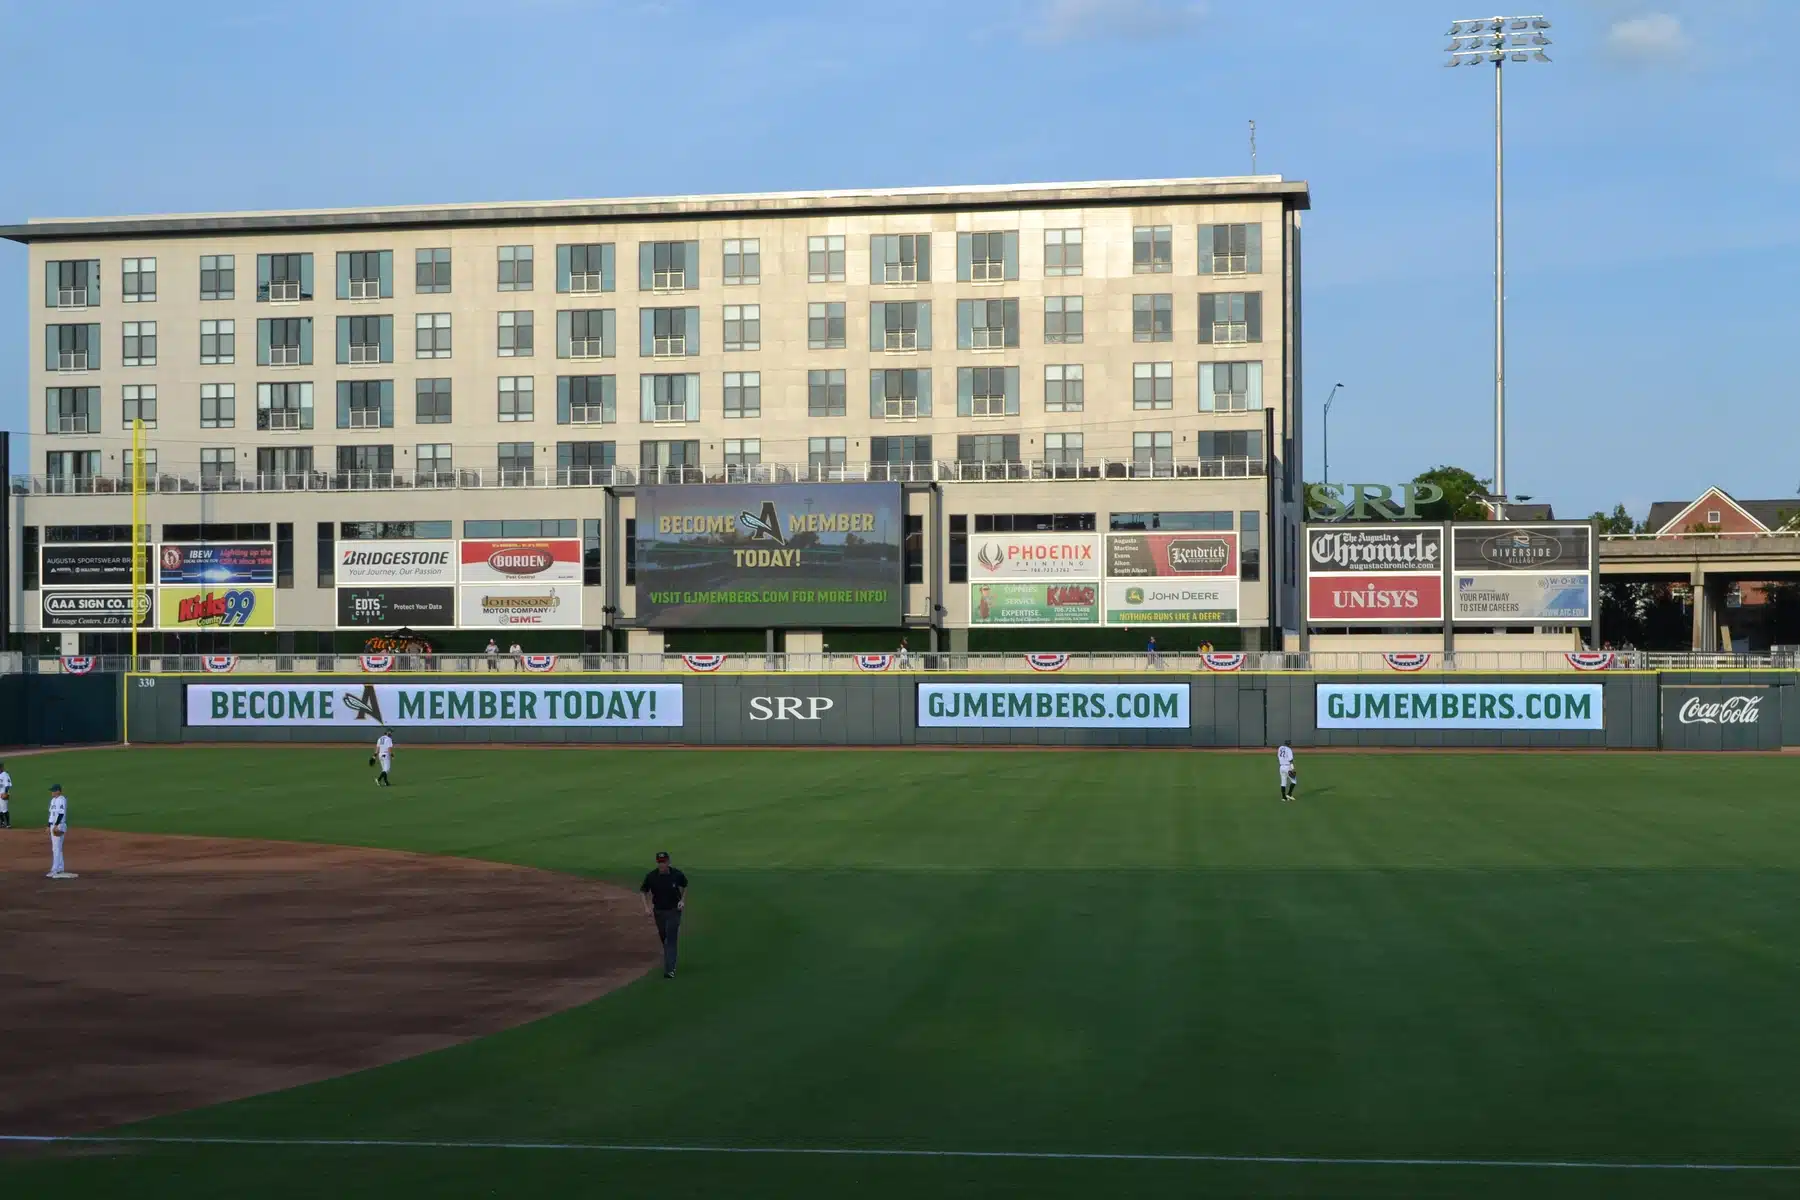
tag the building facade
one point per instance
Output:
(1079, 358)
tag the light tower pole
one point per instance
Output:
(1499, 40)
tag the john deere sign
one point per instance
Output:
(376, 705)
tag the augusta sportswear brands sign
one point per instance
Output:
(376, 705)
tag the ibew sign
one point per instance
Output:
(1365, 501)
(790, 708)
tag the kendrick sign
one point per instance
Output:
(373, 706)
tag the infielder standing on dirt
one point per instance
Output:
(5, 798)
(384, 753)
(1290, 778)
(59, 825)
(665, 898)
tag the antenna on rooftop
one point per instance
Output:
(1253, 147)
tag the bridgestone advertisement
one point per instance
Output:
(376, 705)
(1560, 548)
(1726, 716)
(1053, 706)
(396, 607)
(396, 562)
(1521, 598)
(759, 556)
(90, 566)
(1034, 556)
(1571, 706)
(96, 609)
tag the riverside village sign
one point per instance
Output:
(1369, 501)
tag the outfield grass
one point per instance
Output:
(1539, 957)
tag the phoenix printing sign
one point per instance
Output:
(1005, 556)
(1053, 706)
(373, 706)
(1523, 574)
(96, 608)
(1575, 706)
(1172, 578)
(816, 555)
(1374, 574)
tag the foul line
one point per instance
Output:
(101, 1139)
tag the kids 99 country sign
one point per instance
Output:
(180, 608)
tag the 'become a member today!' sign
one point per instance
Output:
(373, 705)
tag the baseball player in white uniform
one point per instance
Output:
(5, 798)
(384, 753)
(59, 826)
(1290, 779)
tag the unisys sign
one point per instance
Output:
(1375, 574)
(1374, 599)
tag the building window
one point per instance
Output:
(674, 457)
(517, 398)
(363, 340)
(1231, 387)
(284, 406)
(218, 405)
(663, 398)
(586, 400)
(988, 391)
(987, 257)
(431, 270)
(72, 410)
(987, 324)
(740, 455)
(1062, 252)
(1064, 320)
(140, 344)
(743, 261)
(987, 448)
(218, 343)
(959, 548)
(433, 463)
(515, 269)
(289, 464)
(900, 258)
(1250, 544)
(520, 528)
(1152, 250)
(743, 327)
(904, 450)
(71, 283)
(1152, 385)
(631, 546)
(218, 466)
(825, 259)
(365, 274)
(593, 553)
(127, 467)
(1173, 522)
(366, 466)
(823, 454)
(585, 333)
(72, 347)
(1063, 449)
(325, 549)
(72, 470)
(825, 394)
(825, 326)
(365, 404)
(1153, 318)
(1231, 453)
(1230, 317)
(431, 402)
(1064, 388)
(743, 394)
(284, 341)
(669, 332)
(912, 549)
(28, 558)
(586, 462)
(899, 394)
(284, 278)
(1153, 453)
(516, 335)
(218, 277)
(668, 266)
(515, 460)
(284, 554)
(140, 404)
(139, 280)
(433, 335)
(1230, 249)
(900, 326)
(1713, 516)
(585, 268)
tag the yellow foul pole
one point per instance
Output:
(139, 551)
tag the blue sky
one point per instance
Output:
(1653, 182)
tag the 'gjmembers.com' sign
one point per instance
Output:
(1460, 706)
(1053, 705)
(374, 705)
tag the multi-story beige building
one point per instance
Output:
(1087, 357)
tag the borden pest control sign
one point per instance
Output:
(373, 705)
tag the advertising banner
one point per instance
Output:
(396, 562)
(96, 608)
(1053, 705)
(1171, 602)
(394, 607)
(1034, 604)
(808, 555)
(214, 563)
(521, 560)
(542, 605)
(1184, 555)
(1522, 598)
(1558, 706)
(1725, 716)
(375, 705)
(90, 566)
(1371, 549)
(1374, 599)
(1560, 548)
(1006, 556)
(179, 608)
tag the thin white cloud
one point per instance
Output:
(1651, 38)
(1134, 20)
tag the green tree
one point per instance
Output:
(1619, 521)
(1462, 492)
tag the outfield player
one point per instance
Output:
(59, 826)
(1290, 778)
(384, 753)
(5, 798)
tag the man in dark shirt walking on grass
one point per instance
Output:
(665, 898)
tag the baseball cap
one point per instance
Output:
(56, 787)
(662, 856)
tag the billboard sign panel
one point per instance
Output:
(541, 605)
(521, 560)
(1053, 706)
(1034, 604)
(179, 608)
(396, 607)
(215, 563)
(372, 706)
(1374, 599)
(1552, 706)
(1374, 549)
(1487, 548)
(1725, 716)
(1007, 556)
(89, 566)
(810, 555)
(1171, 602)
(95, 608)
(1172, 555)
(1522, 598)
(396, 562)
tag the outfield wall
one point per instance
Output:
(59, 710)
(1616, 710)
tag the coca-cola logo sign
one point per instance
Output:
(1339, 551)
(1735, 709)
(521, 561)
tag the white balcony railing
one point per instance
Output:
(587, 414)
(987, 271)
(72, 360)
(902, 339)
(284, 356)
(670, 347)
(1230, 264)
(361, 289)
(585, 348)
(1226, 332)
(360, 354)
(669, 281)
(284, 291)
(71, 298)
(989, 339)
(73, 423)
(586, 283)
(901, 272)
(365, 418)
(904, 409)
(282, 418)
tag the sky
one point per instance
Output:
(1653, 172)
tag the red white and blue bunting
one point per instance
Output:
(1408, 660)
(1591, 660)
(1223, 661)
(874, 662)
(78, 664)
(218, 664)
(1046, 662)
(377, 662)
(703, 662)
(538, 663)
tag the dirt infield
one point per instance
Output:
(177, 972)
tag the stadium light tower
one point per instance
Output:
(1498, 40)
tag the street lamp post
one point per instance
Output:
(1498, 40)
(1328, 399)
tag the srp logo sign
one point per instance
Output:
(790, 708)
